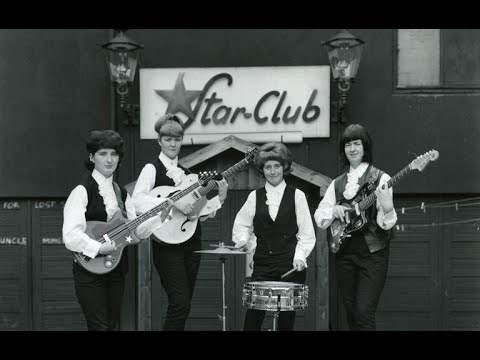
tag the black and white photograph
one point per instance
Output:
(240, 180)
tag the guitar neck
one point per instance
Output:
(370, 199)
(203, 190)
(132, 225)
(227, 173)
(160, 207)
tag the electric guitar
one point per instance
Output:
(355, 218)
(120, 230)
(181, 227)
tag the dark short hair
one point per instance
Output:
(166, 125)
(274, 151)
(103, 139)
(356, 132)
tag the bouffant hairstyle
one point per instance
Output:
(169, 125)
(356, 132)
(103, 139)
(274, 151)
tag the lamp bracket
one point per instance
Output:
(132, 113)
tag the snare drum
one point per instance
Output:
(274, 296)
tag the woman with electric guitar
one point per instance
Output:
(174, 256)
(362, 261)
(99, 200)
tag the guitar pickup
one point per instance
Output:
(195, 195)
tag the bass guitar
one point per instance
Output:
(355, 218)
(120, 230)
(181, 227)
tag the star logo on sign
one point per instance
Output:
(179, 99)
(129, 239)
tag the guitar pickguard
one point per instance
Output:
(340, 231)
(356, 223)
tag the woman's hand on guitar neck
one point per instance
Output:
(222, 190)
(384, 197)
(164, 214)
(222, 187)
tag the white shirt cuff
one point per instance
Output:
(92, 248)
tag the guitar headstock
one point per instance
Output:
(421, 161)
(206, 176)
(250, 155)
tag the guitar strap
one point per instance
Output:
(118, 194)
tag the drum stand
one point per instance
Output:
(276, 314)
(223, 251)
(224, 307)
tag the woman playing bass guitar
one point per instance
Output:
(99, 199)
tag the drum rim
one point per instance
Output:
(281, 283)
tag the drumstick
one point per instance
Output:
(288, 273)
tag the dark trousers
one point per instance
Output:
(100, 297)
(273, 272)
(361, 277)
(178, 269)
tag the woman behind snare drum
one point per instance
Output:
(278, 216)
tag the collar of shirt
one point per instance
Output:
(100, 179)
(169, 163)
(279, 189)
(352, 185)
(105, 189)
(358, 172)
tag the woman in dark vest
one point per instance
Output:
(362, 264)
(275, 221)
(177, 264)
(99, 198)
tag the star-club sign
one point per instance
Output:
(129, 239)
(179, 99)
(258, 104)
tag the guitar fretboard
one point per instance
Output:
(370, 199)
(132, 225)
(227, 173)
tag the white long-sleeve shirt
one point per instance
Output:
(146, 182)
(242, 232)
(324, 214)
(74, 222)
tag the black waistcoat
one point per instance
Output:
(375, 237)
(276, 240)
(161, 179)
